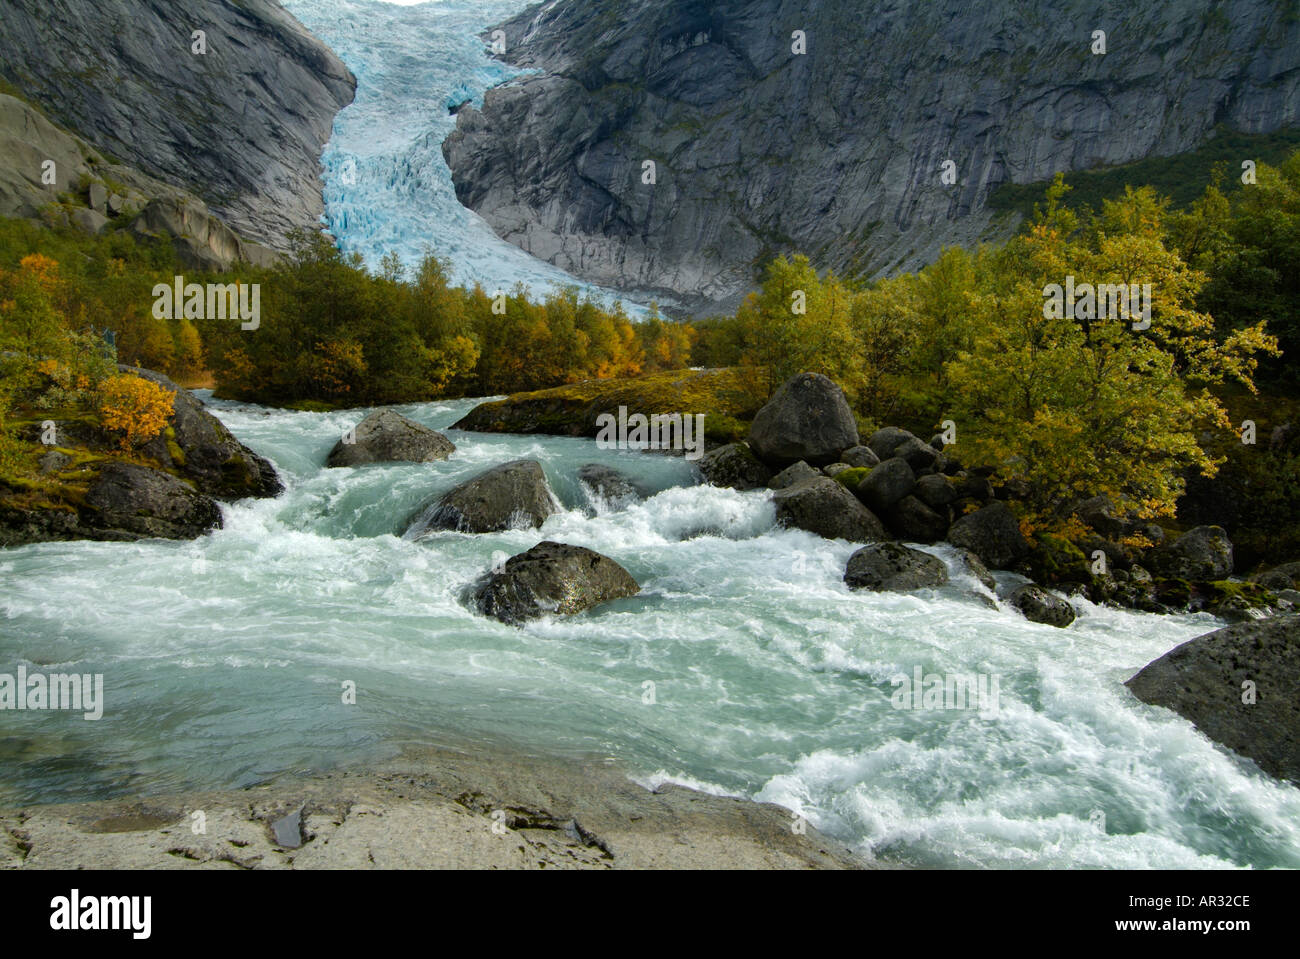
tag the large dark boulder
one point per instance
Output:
(1203, 553)
(912, 520)
(128, 501)
(993, 534)
(886, 484)
(198, 446)
(514, 495)
(1205, 680)
(1098, 512)
(885, 441)
(388, 437)
(551, 578)
(808, 419)
(936, 491)
(823, 506)
(891, 566)
(1040, 606)
(734, 466)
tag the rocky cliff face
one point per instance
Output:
(241, 125)
(839, 151)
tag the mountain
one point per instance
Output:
(837, 152)
(240, 126)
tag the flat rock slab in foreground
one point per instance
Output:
(552, 578)
(434, 812)
(388, 437)
(1202, 680)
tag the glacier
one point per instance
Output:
(387, 187)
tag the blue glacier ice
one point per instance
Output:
(387, 187)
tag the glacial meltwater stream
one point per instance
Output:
(224, 659)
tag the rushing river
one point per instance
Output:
(224, 661)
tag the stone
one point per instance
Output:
(513, 495)
(734, 466)
(993, 534)
(551, 579)
(797, 473)
(823, 506)
(1040, 606)
(894, 567)
(886, 485)
(808, 418)
(388, 437)
(1204, 680)
(1202, 553)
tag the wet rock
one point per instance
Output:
(825, 507)
(972, 564)
(141, 502)
(198, 445)
(388, 437)
(608, 485)
(514, 495)
(991, 533)
(551, 578)
(1238, 685)
(808, 418)
(1040, 606)
(734, 466)
(894, 567)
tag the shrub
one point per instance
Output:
(134, 407)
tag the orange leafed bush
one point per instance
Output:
(135, 407)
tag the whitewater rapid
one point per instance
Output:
(224, 660)
(387, 186)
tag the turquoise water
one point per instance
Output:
(224, 659)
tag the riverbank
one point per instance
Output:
(437, 809)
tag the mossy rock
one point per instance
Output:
(1056, 560)
(852, 476)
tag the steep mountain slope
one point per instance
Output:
(241, 125)
(839, 151)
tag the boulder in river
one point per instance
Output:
(808, 418)
(1041, 606)
(388, 437)
(608, 485)
(1238, 685)
(860, 456)
(894, 567)
(734, 466)
(992, 533)
(551, 578)
(823, 506)
(137, 502)
(198, 446)
(514, 495)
